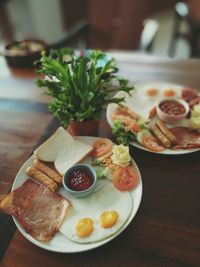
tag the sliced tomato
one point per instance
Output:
(152, 143)
(125, 179)
(101, 147)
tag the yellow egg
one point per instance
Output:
(84, 227)
(152, 92)
(108, 202)
(169, 93)
(108, 218)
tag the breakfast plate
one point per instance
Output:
(59, 243)
(142, 104)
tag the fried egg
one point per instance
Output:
(98, 216)
(145, 97)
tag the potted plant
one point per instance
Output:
(80, 87)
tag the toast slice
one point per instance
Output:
(62, 149)
(48, 151)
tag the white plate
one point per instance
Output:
(60, 243)
(142, 104)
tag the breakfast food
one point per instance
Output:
(160, 108)
(41, 212)
(101, 147)
(79, 180)
(125, 179)
(48, 171)
(160, 136)
(49, 150)
(120, 155)
(169, 93)
(150, 142)
(16, 197)
(172, 111)
(186, 138)
(189, 94)
(152, 92)
(62, 149)
(42, 178)
(35, 206)
(117, 167)
(172, 107)
(166, 131)
(194, 120)
(98, 216)
(125, 110)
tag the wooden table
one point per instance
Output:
(166, 229)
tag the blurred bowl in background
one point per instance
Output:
(23, 54)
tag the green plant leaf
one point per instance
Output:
(80, 87)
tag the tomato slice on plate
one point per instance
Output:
(152, 143)
(125, 179)
(101, 147)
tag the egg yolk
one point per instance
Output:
(108, 218)
(152, 92)
(169, 93)
(84, 227)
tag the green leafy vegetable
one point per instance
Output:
(80, 87)
(122, 136)
(102, 171)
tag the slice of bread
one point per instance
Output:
(71, 155)
(50, 149)
(63, 150)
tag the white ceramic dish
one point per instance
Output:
(171, 118)
(60, 243)
(142, 104)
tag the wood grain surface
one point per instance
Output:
(166, 229)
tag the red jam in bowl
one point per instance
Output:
(79, 180)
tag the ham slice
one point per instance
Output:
(18, 196)
(186, 138)
(38, 210)
(194, 102)
(189, 94)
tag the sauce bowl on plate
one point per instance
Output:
(172, 110)
(80, 180)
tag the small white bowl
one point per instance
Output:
(172, 118)
(80, 167)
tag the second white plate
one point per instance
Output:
(142, 104)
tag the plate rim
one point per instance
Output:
(88, 246)
(136, 144)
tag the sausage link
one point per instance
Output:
(160, 136)
(42, 178)
(166, 131)
(48, 171)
